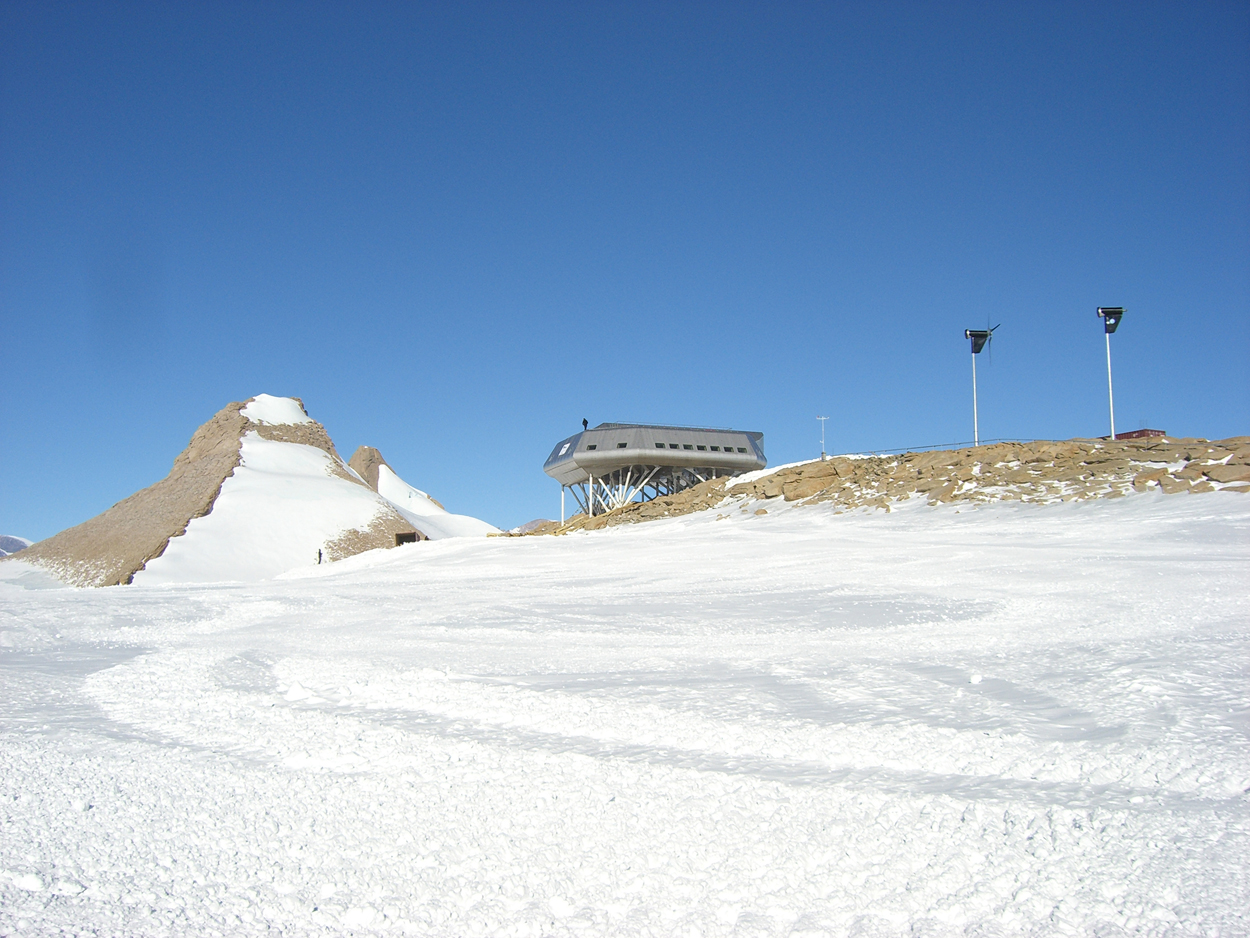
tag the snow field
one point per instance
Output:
(1015, 719)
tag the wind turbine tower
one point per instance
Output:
(980, 338)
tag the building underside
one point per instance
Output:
(598, 495)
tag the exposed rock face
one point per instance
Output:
(1041, 471)
(380, 534)
(366, 461)
(112, 547)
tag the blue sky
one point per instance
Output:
(455, 230)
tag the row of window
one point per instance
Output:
(700, 447)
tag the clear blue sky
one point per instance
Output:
(456, 229)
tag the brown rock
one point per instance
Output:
(1229, 473)
(804, 488)
(366, 462)
(1171, 485)
(1142, 480)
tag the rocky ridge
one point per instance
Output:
(1039, 471)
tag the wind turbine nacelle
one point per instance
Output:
(979, 337)
(1110, 316)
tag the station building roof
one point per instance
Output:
(609, 447)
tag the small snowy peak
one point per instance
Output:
(11, 545)
(275, 411)
(427, 515)
(420, 508)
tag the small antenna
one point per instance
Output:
(822, 420)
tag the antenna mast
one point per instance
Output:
(822, 420)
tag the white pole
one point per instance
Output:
(562, 504)
(1110, 396)
(590, 502)
(976, 433)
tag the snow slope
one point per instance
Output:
(426, 515)
(283, 503)
(1008, 719)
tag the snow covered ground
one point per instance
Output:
(1012, 719)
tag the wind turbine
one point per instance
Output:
(980, 338)
(1110, 316)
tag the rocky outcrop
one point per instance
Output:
(112, 547)
(365, 462)
(1041, 471)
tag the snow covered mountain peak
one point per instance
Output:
(275, 411)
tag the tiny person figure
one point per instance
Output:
(318, 555)
(585, 424)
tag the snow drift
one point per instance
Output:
(421, 509)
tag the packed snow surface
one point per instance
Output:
(425, 514)
(265, 408)
(1012, 719)
(281, 504)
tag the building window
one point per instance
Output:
(621, 445)
(715, 449)
(659, 446)
(592, 446)
(687, 446)
(742, 449)
(701, 447)
(672, 446)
